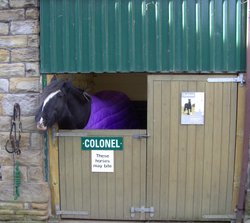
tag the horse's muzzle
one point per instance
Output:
(41, 126)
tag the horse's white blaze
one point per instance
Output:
(41, 121)
(49, 97)
(40, 124)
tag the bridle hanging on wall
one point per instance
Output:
(15, 132)
(14, 141)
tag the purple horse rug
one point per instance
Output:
(112, 110)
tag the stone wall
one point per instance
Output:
(19, 83)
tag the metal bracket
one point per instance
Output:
(61, 212)
(239, 79)
(68, 134)
(142, 209)
(232, 218)
(140, 136)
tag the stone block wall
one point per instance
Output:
(20, 83)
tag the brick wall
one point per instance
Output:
(19, 83)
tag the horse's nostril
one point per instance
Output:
(41, 126)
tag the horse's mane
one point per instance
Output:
(52, 87)
(56, 85)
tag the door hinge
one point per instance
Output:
(142, 209)
(140, 136)
(239, 79)
(230, 217)
(62, 212)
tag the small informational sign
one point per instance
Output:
(192, 108)
(102, 161)
(102, 143)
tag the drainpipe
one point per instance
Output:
(243, 179)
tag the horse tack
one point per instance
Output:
(15, 131)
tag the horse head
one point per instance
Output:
(64, 104)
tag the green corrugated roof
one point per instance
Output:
(143, 36)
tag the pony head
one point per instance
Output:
(52, 106)
(64, 104)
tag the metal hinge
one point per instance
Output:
(142, 209)
(232, 217)
(62, 212)
(239, 79)
(140, 136)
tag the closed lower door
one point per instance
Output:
(86, 194)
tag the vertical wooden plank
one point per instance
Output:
(207, 166)
(182, 161)
(143, 176)
(199, 160)
(69, 171)
(86, 181)
(165, 155)
(150, 142)
(62, 173)
(94, 195)
(156, 153)
(102, 199)
(239, 143)
(54, 172)
(136, 177)
(174, 134)
(119, 185)
(77, 169)
(111, 210)
(190, 164)
(236, 126)
(128, 176)
(224, 162)
(216, 149)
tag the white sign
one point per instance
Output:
(192, 108)
(102, 161)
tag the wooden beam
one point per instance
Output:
(54, 172)
(53, 166)
(239, 145)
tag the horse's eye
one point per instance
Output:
(60, 94)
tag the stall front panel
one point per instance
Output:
(98, 184)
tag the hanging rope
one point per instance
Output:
(17, 180)
(13, 146)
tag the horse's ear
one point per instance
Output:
(54, 78)
(66, 86)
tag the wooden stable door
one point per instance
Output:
(180, 172)
(190, 167)
(94, 195)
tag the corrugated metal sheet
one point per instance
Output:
(143, 36)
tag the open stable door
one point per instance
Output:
(190, 167)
